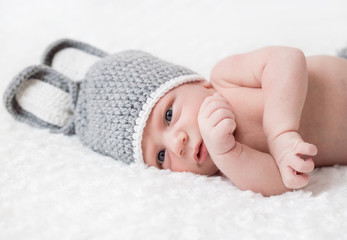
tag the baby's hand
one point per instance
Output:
(217, 124)
(293, 157)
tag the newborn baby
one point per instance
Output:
(259, 121)
(264, 121)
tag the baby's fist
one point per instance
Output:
(294, 158)
(217, 124)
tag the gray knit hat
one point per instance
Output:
(108, 108)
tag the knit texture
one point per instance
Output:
(55, 47)
(109, 108)
(48, 103)
(47, 75)
(115, 99)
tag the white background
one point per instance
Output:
(51, 187)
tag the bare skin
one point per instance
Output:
(323, 120)
(273, 108)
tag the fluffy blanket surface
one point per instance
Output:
(52, 187)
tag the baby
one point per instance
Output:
(258, 122)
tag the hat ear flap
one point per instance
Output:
(71, 58)
(43, 98)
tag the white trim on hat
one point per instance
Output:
(148, 106)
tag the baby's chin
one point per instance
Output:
(208, 168)
(209, 172)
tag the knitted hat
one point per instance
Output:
(109, 107)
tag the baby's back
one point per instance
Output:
(323, 120)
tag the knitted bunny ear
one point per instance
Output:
(44, 98)
(71, 58)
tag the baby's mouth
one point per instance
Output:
(200, 153)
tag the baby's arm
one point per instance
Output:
(281, 73)
(247, 168)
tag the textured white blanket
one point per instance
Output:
(51, 187)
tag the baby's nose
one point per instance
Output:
(179, 143)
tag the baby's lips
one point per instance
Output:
(200, 152)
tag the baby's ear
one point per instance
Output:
(44, 98)
(71, 58)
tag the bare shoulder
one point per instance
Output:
(326, 64)
(328, 74)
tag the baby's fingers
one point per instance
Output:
(293, 179)
(225, 126)
(300, 165)
(212, 104)
(220, 114)
(303, 148)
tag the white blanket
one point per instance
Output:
(52, 187)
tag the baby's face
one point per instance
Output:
(171, 138)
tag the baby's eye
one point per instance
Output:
(161, 156)
(168, 115)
